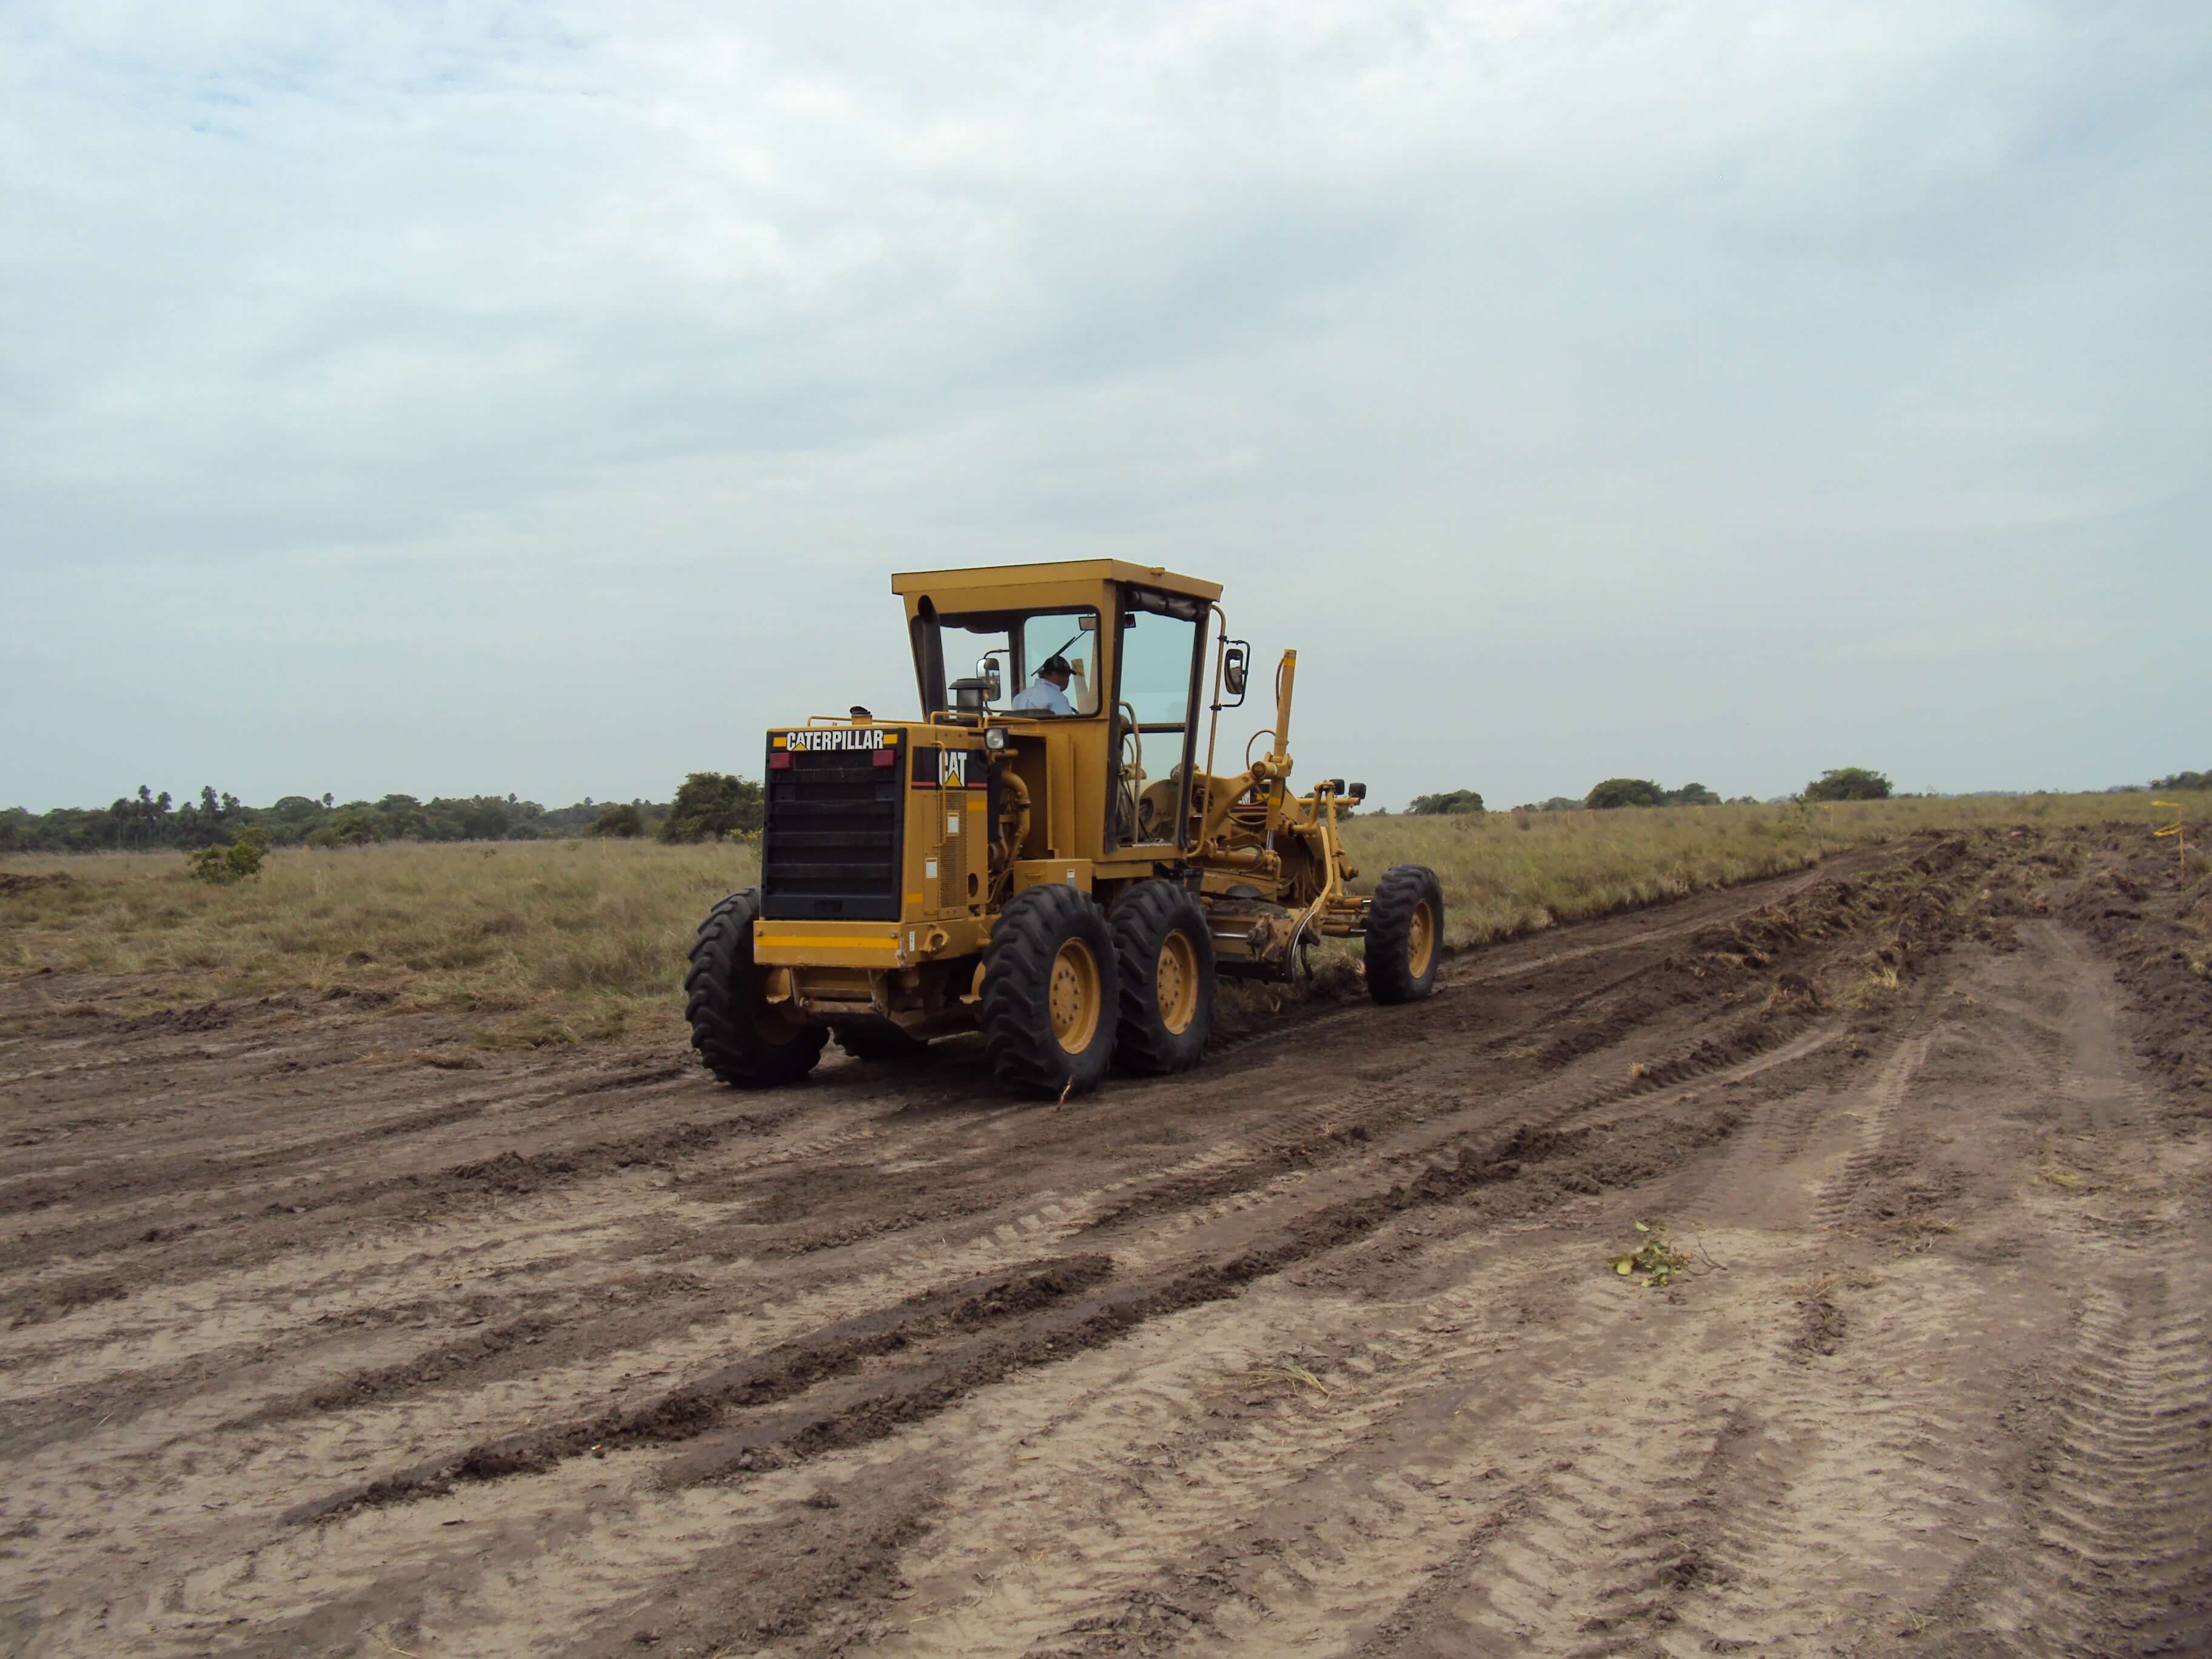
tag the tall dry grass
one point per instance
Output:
(535, 941)
(560, 941)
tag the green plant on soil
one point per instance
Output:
(1654, 1263)
(240, 860)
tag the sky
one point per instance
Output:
(466, 397)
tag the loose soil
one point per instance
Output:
(322, 1332)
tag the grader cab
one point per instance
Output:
(1069, 883)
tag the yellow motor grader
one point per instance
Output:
(1043, 855)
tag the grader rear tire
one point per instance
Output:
(742, 1040)
(1405, 935)
(1049, 993)
(1165, 952)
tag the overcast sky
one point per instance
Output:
(454, 397)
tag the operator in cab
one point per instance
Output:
(1048, 693)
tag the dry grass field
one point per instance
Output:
(533, 942)
(540, 942)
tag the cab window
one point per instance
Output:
(1071, 634)
(1156, 666)
(1016, 644)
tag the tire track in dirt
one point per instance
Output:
(1103, 1577)
(1690, 1532)
(2122, 1523)
(1230, 1478)
(1793, 1448)
(528, 1174)
(1604, 1535)
(1875, 1119)
(1055, 1223)
(810, 1425)
(1203, 1206)
(1501, 1155)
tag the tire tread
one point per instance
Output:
(1017, 1036)
(720, 973)
(1389, 927)
(1142, 918)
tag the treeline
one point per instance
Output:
(148, 821)
(1613, 792)
(1840, 783)
(709, 806)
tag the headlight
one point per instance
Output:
(994, 739)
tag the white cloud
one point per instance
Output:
(1600, 372)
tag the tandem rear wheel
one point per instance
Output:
(1051, 993)
(1164, 948)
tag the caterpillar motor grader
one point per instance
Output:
(1069, 884)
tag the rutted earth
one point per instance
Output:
(311, 1345)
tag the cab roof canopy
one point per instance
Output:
(1010, 587)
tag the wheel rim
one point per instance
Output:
(1175, 982)
(1074, 996)
(1421, 939)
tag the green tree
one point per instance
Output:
(1625, 792)
(226, 866)
(354, 824)
(293, 817)
(401, 818)
(624, 821)
(1693, 794)
(713, 805)
(1450, 801)
(1848, 783)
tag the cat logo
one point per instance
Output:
(948, 768)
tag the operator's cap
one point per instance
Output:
(1056, 666)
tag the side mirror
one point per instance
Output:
(1233, 665)
(988, 671)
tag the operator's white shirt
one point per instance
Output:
(1044, 697)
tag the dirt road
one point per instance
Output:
(325, 1335)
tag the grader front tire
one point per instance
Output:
(1165, 952)
(1405, 935)
(740, 1037)
(1049, 993)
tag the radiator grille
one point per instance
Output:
(830, 845)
